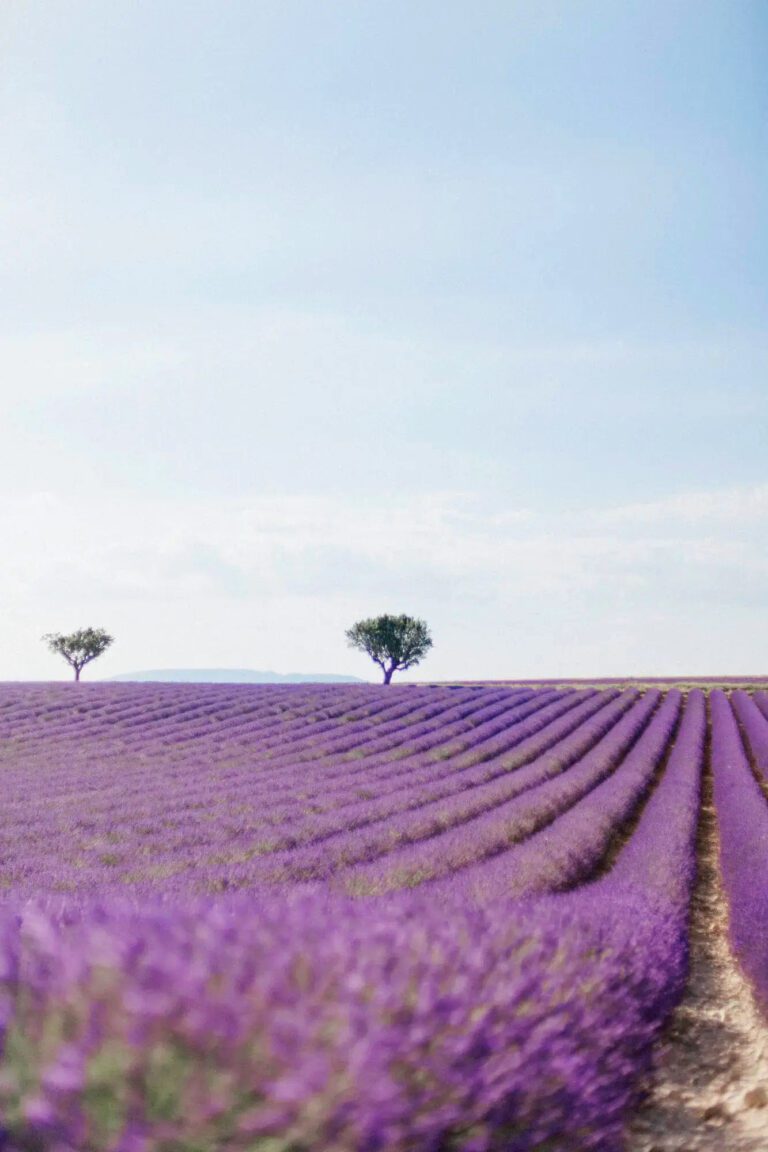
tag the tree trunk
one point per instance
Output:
(388, 674)
(77, 672)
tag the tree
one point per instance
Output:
(393, 642)
(79, 648)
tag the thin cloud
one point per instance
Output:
(726, 506)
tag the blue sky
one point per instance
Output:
(313, 311)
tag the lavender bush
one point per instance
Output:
(742, 818)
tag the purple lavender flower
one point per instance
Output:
(153, 996)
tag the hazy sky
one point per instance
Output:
(311, 311)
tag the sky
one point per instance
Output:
(314, 311)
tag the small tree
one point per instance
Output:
(79, 648)
(393, 642)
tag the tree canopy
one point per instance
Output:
(79, 648)
(393, 642)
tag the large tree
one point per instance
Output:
(79, 648)
(393, 642)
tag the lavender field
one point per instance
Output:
(348, 918)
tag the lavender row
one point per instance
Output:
(149, 746)
(119, 705)
(761, 699)
(742, 819)
(755, 727)
(658, 862)
(423, 737)
(501, 745)
(566, 852)
(243, 708)
(430, 799)
(406, 711)
(480, 840)
(437, 741)
(134, 795)
(643, 901)
(149, 828)
(430, 840)
(137, 774)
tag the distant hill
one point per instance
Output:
(236, 676)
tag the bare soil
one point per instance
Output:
(709, 1087)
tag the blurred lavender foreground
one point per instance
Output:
(163, 990)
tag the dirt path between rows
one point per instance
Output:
(709, 1088)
